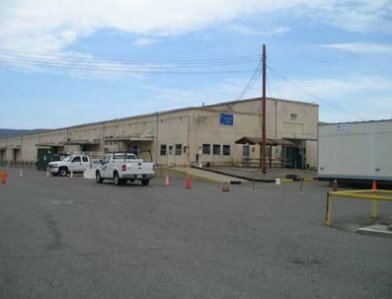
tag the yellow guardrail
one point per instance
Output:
(372, 195)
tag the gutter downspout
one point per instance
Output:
(156, 139)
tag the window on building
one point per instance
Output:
(163, 149)
(178, 149)
(85, 159)
(216, 149)
(226, 150)
(206, 149)
(170, 149)
(134, 149)
(245, 151)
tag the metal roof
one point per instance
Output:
(82, 142)
(269, 141)
(129, 138)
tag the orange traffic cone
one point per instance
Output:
(374, 186)
(4, 177)
(188, 183)
(225, 187)
(167, 182)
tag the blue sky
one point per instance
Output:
(64, 63)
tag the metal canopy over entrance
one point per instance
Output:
(48, 145)
(270, 141)
(82, 142)
(285, 144)
(142, 146)
(130, 138)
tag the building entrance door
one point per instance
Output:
(170, 155)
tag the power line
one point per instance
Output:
(256, 74)
(77, 56)
(127, 70)
(48, 58)
(313, 95)
(207, 66)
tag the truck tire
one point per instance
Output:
(145, 182)
(117, 180)
(63, 171)
(98, 178)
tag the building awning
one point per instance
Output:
(130, 138)
(269, 141)
(82, 142)
(48, 144)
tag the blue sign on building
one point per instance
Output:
(226, 119)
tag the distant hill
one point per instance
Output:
(4, 133)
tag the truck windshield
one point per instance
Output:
(67, 159)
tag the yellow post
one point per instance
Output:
(373, 213)
(328, 211)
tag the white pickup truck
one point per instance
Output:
(74, 163)
(121, 167)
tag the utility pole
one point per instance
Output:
(263, 104)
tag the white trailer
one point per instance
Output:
(358, 151)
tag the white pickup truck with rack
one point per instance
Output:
(121, 167)
(71, 163)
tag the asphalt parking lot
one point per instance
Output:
(72, 238)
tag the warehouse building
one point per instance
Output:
(221, 134)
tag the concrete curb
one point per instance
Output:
(207, 175)
(375, 230)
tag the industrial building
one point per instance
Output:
(220, 134)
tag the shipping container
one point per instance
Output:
(44, 156)
(358, 151)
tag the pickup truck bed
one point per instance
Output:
(121, 167)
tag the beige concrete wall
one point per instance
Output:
(190, 128)
(52, 137)
(174, 129)
(285, 119)
(208, 130)
(140, 127)
(29, 148)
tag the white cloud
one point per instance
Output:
(163, 98)
(49, 26)
(248, 30)
(348, 99)
(359, 98)
(338, 90)
(144, 41)
(357, 16)
(361, 47)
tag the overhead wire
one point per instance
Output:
(202, 66)
(220, 65)
(256, 74)
(126, 70)
(313, 95)
(78, 56)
